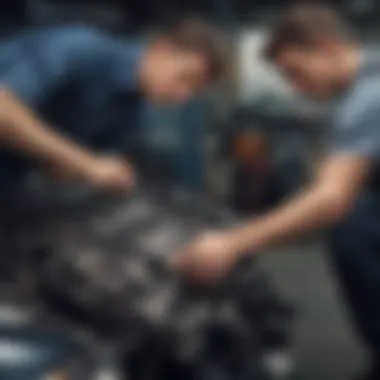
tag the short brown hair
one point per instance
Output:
(194, 34)
(304, 25)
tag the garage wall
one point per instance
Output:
(255, 76)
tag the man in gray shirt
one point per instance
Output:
(312, 47)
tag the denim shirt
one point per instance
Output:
(80, 81)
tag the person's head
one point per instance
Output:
(182, 61)
(313, 47)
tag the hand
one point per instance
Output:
(209, 258)
(111, 174)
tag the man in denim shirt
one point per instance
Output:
(68, 93)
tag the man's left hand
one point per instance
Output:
(208, 258)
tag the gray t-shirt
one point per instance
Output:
(356, 122)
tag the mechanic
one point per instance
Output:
(314, 49)
(69, 93)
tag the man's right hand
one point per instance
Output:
(22, 131)
(111, 174)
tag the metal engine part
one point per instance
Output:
(109, 271)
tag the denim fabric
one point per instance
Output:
(80, 81)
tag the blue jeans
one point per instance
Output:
(355, 252)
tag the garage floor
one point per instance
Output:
(326, 347)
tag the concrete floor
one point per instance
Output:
(326, 345)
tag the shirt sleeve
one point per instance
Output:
(44, 62)
(26, 81)
(357, 127)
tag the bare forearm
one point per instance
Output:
(307, 212)
(338, 181)
(22, 131)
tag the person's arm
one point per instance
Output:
(22, 131)
(339, 179)
(326, 201)
(354, 146)
(57, 57)
(210, 256)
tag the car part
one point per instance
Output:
(108, 270)
(33, 347)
